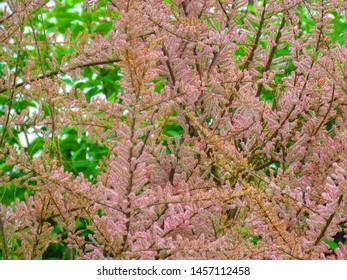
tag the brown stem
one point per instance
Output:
(272, 53)
(3, 236)
(329, 220)
(60, 71)
(327, 112)
(257, 37)
(225, 13)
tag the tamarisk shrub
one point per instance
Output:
(218, 131)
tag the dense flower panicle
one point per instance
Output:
(225, 137)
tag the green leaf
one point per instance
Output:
(35, 146)
(79, 154)
(172, 130)
(332, 244)
(104, 27)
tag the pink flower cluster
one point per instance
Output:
(256, 168)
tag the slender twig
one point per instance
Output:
(327, 112)
(225, 13)
(329, 220)
(257, 37)
(3, 236)
(60, 71)
(272, 54)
